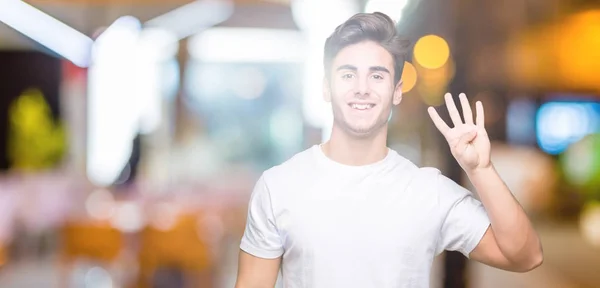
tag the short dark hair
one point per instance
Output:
(376, 27)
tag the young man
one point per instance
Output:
(353, 213)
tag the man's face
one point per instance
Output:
(361, 88)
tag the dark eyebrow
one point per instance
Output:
(347, 67)
(373, 69)
(379, 69)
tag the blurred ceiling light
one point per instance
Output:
(392, 8)
(193, 17)
(247, 45)
(160, 44)
(321, 17)
(113, 118)
(125, 81)
(155, 46)
(46, 30)
(431, 51)
(123, 33)
(409, 77)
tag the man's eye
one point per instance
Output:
(378, 77)
(348, 76)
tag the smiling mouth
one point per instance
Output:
(361, 107)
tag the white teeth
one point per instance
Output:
(362, 106)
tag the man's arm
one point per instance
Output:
(255, 272)
(511, 243)
(261, 247)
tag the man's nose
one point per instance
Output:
(361, 86)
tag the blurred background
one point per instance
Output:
(132, 132)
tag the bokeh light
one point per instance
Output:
(577, 49)
(432, 95)
(572, 56)
(164, 216)
(431, 51)
(438, 76)
(433, 83)
(589, 223)
(581, 164)
(563, 123)
(127, 217)
(100, 204)
(409, 77)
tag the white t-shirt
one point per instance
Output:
(378, 225)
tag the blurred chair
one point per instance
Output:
(177, 248)
(90, 240)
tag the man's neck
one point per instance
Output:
(353, 151)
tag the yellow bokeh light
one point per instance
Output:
(441, 75)
(577, 49)
(409, 77)
(432, 95)
(431, 51)
(538, 59)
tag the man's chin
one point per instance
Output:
(361, 132)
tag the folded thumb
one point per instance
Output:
(465, 140)
(468, 137)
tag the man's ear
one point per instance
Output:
(397, 93)
(326, 90)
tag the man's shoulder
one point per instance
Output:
(419, 177)
(410, 167)
(299, 163)
(431, 179)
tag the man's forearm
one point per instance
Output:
(513, 231)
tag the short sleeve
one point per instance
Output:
(466, 220)
(261, 237)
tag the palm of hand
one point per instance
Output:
(468, 141)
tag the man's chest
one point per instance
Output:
(371, 220)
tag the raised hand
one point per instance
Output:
(468, 141)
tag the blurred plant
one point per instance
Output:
(35, 141)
